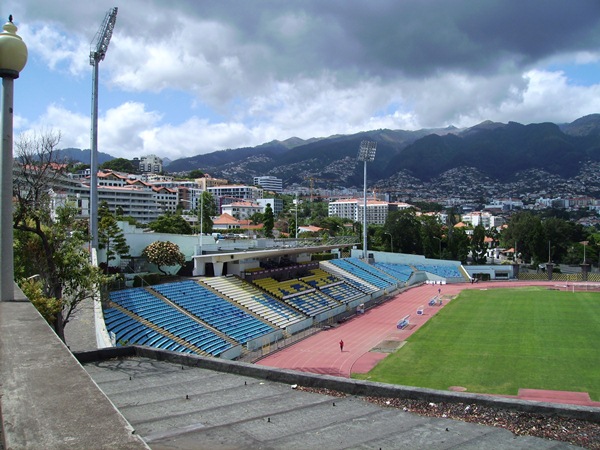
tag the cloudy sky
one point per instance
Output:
(186, 77)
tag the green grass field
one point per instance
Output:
(500, 340)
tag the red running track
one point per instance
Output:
(321, 353)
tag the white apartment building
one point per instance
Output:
(149, 164)
(476, 218)
(353, 209)
(142, 201)
(189, 192)
(236, 191)
(486, 219)
(269, 183)
(241, 210)
(276, 205)
(208, 181)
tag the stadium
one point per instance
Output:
(262, 297)
(286, 309)
(250, 358)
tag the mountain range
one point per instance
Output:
(497, 151)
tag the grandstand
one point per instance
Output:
(276, 295)
(332, 286)
(168, 320)
(299, 295)
(365, 272)
(131, 331)
(449, 272)
(401, 272)
(215, 311)
(261, 304)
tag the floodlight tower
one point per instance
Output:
(366, 153)
(97, 54)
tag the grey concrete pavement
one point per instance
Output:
(182, 407)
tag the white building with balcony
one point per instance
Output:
(353, 209)
(241, 210)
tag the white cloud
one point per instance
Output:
(57, 49)
(193, 77)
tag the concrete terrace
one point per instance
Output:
(172, 405)
(135, 397)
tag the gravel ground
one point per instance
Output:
(576, 432)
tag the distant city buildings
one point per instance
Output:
(148, 164)
(486, 219)
(276, 205)
(146, 195)
(134, 198)
(241, 209)
(353, 209)
(236, 191)
(269, 183)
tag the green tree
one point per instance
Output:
(431, 236)
(562, 234)
(292, 226)
(458, 245)
(110, 235)
(524, 231)
(119, 165)
(334, 225)
(196, 173)
(171, 223)
(268, 221)
(257, 218)
(405, 228)
(78, 167)
(164, 253)
(318, 210)
(48, 307)
(478, 247)
(206, 209)
(51, 248)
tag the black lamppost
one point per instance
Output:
(13, 57)
(391, 241)
(439, 246)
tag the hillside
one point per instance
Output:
(496, 150)
(490, 152)
(84, 156)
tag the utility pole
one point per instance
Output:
(97, 54)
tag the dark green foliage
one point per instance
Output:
(268, 221)
(171, 223)
(478, 247)
(206, 210)
(196, 173)
(405, 228)
(119, 165)
(110, 235)
(540, 239)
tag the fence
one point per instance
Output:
(566, 277)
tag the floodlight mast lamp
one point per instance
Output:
(97, 53)
(13, 57)
(366, 153)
